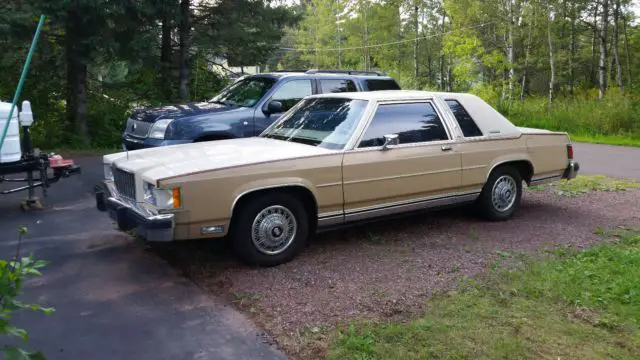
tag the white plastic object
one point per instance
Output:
(11, 150)
(26, 116)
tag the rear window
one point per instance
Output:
(376, 85)
(467, 125)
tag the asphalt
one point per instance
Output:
(609, 160)
(113, 299)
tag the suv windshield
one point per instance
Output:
(245, 92)
(324, 122)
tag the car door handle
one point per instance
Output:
(446, 148)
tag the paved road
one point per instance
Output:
(113, 299)
(615, 161)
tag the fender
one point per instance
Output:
(272, 183)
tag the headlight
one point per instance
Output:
(159, 128)
(162, 199)
(108, 174)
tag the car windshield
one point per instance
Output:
(245, 92)
(324, 122)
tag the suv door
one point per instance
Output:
(423, 169)
(289, 93)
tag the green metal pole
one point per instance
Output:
(16, 96)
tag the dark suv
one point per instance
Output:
(244, 108)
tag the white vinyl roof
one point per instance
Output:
(489, 120)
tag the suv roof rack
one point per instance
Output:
(288, 71)
(350, 72)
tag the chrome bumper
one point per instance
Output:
(572, 170)
(152, 228)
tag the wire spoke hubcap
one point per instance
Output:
(273, 230)
(504, 192)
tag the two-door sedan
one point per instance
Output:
(332, 160)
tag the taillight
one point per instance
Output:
(570, 151)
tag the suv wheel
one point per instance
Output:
(270, 229)
(501, 194)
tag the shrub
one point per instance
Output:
(13, 274)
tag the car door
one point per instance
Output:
(423, 169)
(289, 93)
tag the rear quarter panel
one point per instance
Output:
(548, 152)
(480, 157)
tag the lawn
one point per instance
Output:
(570, 304)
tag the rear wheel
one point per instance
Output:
(501, 194)
(269, 229)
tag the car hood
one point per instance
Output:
(164, 162)
(180, 110)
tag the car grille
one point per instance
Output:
(137, 128)
(125, 184)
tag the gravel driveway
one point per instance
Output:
(388, 269)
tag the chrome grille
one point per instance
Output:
(137, 128)
(125, 184)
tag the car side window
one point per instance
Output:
(291, 92)
(337, 86)
(467, 125)
(412, 122)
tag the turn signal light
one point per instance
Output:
(176, 198)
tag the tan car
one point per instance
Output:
(332, 160)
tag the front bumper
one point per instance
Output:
(152, 228)
(572, 170)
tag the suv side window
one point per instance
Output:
(291, 92)
(467, 125)
(376, 85)
(337, 86)
(412, 122)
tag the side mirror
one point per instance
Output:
(274, 107)
(390, 139)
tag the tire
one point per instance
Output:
(282, 209)
(503, 181)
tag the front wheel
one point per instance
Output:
(501, 194)
(270, 229)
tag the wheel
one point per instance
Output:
(501, 194)
(270, 229)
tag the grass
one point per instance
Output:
(571, 304)
(612, 121)
(587, 183)
(620, 140)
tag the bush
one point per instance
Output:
(13, 273)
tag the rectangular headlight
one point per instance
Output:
(108, 173)
(162, 199)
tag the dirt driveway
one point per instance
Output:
(387, 270)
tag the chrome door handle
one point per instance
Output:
(446, 147)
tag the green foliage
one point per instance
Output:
(13, 274)
(615, 115)
(572, 305)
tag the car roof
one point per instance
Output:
(383, 95)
